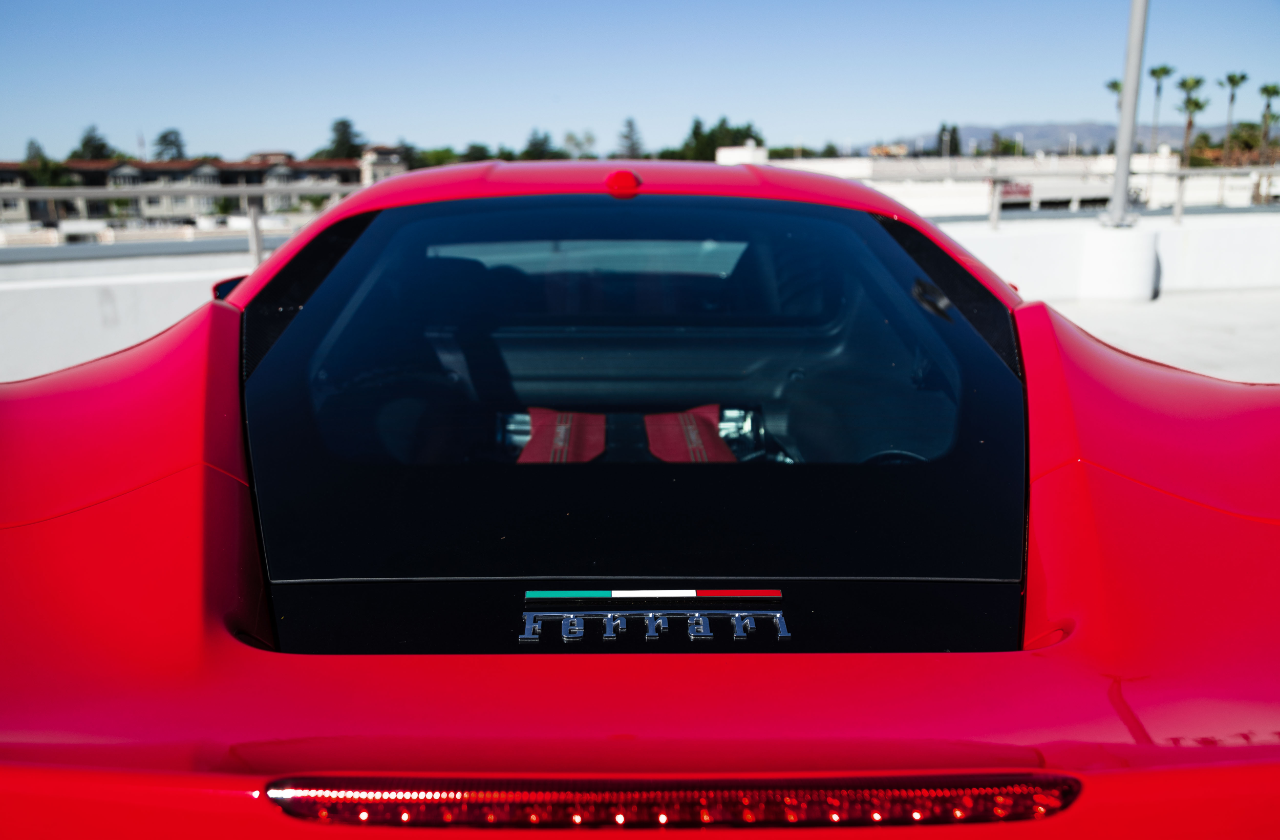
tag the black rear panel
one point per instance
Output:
(821, 616)
(788, 428)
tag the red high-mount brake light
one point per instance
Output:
(623, 184)
(850, 802)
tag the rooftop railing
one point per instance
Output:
(992, 176)
(243, 191)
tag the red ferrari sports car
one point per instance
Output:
(563, 496)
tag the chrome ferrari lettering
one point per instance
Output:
(701, 624)
(573, 627)
(532, 627)
(612, 623)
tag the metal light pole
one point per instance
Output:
(255, 236)
(1119, 203)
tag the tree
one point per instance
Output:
(416, 158)
(1116, 87)
(630, 146)
(44, 172)
(793, 152)
(701, 144)
(1268, 92)
(1002, 145)
(346, 142)
(540, 147)
(580, 147)
(948, 140)
(169, 145)
(475, 152)
(1159, 74)
(93, 146)
(1191, 105)
(1231, 82)
(1246, 136)
(829, 151)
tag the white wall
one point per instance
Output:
(1078, 259)
(1221, 252)
(57, 314)
(939, 198)
(1051, 177)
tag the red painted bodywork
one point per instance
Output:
(130, 562)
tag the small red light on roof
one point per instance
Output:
(623, 184)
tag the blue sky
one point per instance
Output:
(236, 77)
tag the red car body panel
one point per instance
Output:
(130, 557)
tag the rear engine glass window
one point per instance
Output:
(726, 383)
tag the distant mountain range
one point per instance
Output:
(1055, 137)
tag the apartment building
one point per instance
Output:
(305, 178)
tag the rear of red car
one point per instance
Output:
(552, 497)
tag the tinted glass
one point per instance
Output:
(666, 387)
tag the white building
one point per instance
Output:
(381, 162)
(960, 186)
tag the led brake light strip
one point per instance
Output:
(930, 800)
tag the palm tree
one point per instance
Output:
(1268, 92)
(1117, 87)
(1191, 105)
(1233, 81)
(1159, 74)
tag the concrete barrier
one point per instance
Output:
(1225, 251)
(1078, 259)
(1117, 264)
(59, 313)
(1067, 260)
